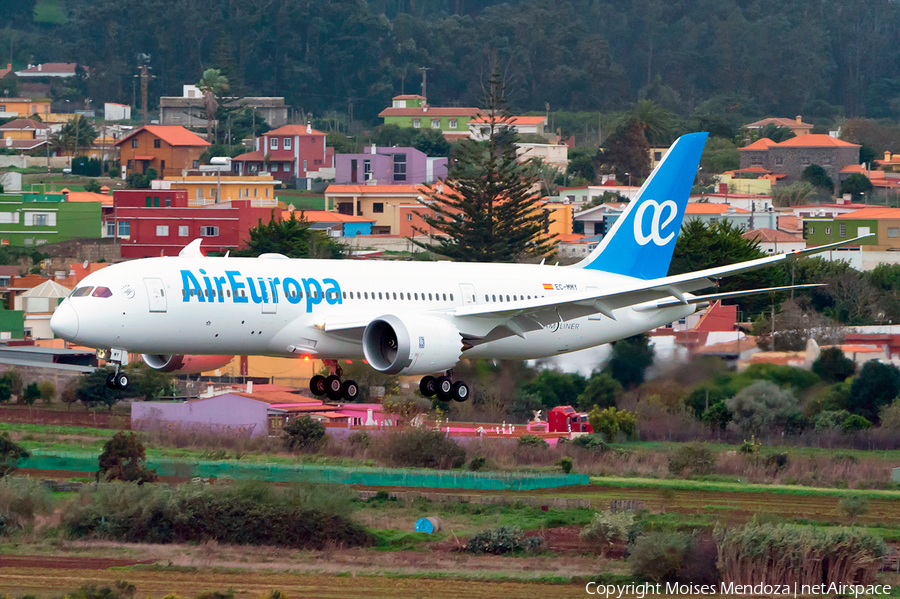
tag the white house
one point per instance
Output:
(479, 128)
(556, 155)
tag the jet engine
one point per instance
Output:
(416, 344)
(185, 364)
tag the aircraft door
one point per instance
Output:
(270, 306)
(467, 291)
(156, 293)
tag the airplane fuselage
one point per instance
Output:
(278, 306)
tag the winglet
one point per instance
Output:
(192, 250)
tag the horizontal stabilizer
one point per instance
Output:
(713, 297)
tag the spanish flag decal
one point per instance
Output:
(548, 286)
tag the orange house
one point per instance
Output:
(24, 107)
(167, 149)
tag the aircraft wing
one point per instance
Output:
(525, 315)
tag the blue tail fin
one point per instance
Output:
(643, 239)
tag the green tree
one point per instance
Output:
(31, 394)
(656, 123)
(627, 152)
(10, 454)
(148, 383)
(833, 366)
(123, 459)
(601, 390)
(92, 390)
(702, 246)
(630, 359)
(291, 237)
(76, 133)
(611, 421)
(856, 185)
(876, 386)
(304, 434)
(340, 142)
(92, 186)
(581, 165)
(432, 143)
(795, 194)
(136, 180)
(760, 406)
(489, 212)
(48, 391)
(818, 176)
(213, 84)
(555, 388)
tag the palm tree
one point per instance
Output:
(656, 122)
(213, 84)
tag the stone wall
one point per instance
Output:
(79, 250)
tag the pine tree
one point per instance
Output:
(488, 209)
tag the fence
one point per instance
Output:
(566, 503)
(376, 477)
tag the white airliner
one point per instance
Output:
(414, 318)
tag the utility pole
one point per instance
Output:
(145, 82)
(424, 81)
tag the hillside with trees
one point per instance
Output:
(717, 63)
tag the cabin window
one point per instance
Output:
(451, 297)
(493, 298)
(429, 297)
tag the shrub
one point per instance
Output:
(123, 459)
(114, 172)
(566, 464)
(890, 416)
(830, 419)
(21, 499)
(610, 421)
(299, 516)
(853, 506)
(360, 439)
(423, 448)
(527, 440)
(48, 391)
(477, 463)
(10, 454)
(693, 458)
(500, 541)
(606, 528)
(854, 423)
(783, 376)
(833, 366)
(304, 434)
(590, 442)
(30, 394)
(803, 554)
(659, 556)
(760, 406)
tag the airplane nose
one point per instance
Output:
(64, 322)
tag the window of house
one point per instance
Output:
(304, 166)
(209, 231)
(378, 207)
(2, 107)
(810, 230)
(276, 166)
(804, 160)
(157, 143)
(843, 230)
(893, 231)
(134, 143)
(826, 161)
(183, 231)
(273, 143)
(196, 164)
(124, 228)
(40, 220)
(168, 202)
(110, 229)
(149, 202)
(828, 230)
(453, 123)
(435, 123)
(416, 124)
(779, 161)
(287, 143)
(755, 160)
(409, 217)
(399, 167)
(657, 156)
(162, 230)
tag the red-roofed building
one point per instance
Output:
(167, 149)
(796, 125)
(51, 69)
(479, 127)
(286, 153)
(772, 241)
(792, 156)
(413, 111)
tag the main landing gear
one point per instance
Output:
(444, 387)
(117, 379)
(332, 385)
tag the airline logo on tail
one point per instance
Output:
(641, 242)
(655, 225)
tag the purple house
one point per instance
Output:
(388, 166)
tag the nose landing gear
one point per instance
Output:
(119, 357)
(332, 386)
(444, 388)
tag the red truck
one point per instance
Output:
(563, 419)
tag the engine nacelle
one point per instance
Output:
(411, 345)
(185, 364)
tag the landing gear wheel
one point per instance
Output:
(111, 380)
(350, 391)
(317, 385)
(460, 391)
(121, 381)
(333, 387)
(444, 388)
(428, 386)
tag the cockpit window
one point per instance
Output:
(102, 292)
(82, 291)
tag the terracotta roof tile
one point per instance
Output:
(709, 208)
(874, 212)
(431, 111)
(763, 143)
(771, 235)
(20, 124)
(780, 122)
(293, 130)
(372, 189)
(515, 120)
(174, 135)
(816, 141)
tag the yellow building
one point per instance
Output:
(559, 219)
(291, 372)
(25, 129)
(761, 185)
(212, 188)
(24, 107)
(381, 203)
